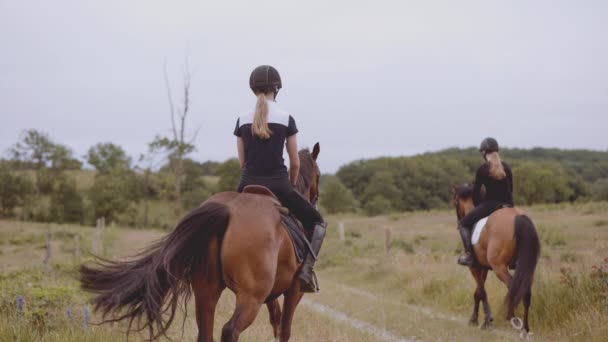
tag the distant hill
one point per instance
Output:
(591, 165)
(424, 181)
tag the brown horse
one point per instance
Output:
(508, 239)
(233, 240)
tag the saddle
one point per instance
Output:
(294, 228)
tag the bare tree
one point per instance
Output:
(178, 144)
(149, 163)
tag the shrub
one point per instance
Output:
(377, 206)
(336, 197)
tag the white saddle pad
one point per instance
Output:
(479, 226)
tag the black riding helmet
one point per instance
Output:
(488, 145)
(264, 79)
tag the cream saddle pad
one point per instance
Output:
(479, 227)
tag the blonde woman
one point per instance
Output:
(495, 175)
(262, 133)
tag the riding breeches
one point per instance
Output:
(289, 197)
(484, 209)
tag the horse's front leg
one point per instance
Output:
(476, 298)
(474, 321)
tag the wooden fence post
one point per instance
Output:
(77, 246)
(96, 237)
(387, 240)
(47, 256)
(341, 231)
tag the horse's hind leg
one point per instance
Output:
(527, 301)
(247, 307)
(502, 272)
(207, 290)
(274, 310)
(206, 297)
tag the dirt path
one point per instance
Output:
(395, 321)
(363, 326)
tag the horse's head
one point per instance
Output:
(462, 198)
(308, 181)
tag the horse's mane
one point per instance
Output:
(463, 190)
(307, 166)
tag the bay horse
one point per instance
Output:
(233, 240)
(508, 239)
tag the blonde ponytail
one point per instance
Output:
(259, 128)
(497, 171)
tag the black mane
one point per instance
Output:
(464, 190)
(307, 166)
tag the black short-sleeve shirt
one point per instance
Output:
(264, 157)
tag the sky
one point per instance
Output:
(363, 78)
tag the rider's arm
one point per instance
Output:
(294, 159)
(510, 178)
(240, 145)
(477, 187)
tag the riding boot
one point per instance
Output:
(467, 258)
(308, 278)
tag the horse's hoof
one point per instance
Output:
(517, 323)
(473, 323)
(486, 325)
(524, 335)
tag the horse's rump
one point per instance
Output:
(290, 222)
(256, 251)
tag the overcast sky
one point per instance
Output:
(364, 78)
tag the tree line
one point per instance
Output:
(541, 175)
(42, 180)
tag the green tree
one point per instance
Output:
(195, 188)
(48, 159)
(336, 197)
(540, 183)
(193, 198)
(13, 191)
(36, 149)
(230, 175)
(66, 202)
(112, 192)
(105, 157)
(383, 184)
(600, 189)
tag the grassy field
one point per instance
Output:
(415, 292)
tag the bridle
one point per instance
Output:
(314, 197)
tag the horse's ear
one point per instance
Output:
(315, 151)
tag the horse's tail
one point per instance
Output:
(149, 287)
(527, 253)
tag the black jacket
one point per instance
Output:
(498, 190)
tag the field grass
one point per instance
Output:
(415, 292)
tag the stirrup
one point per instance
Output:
(305, 286)
(465, 260)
